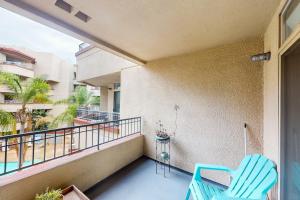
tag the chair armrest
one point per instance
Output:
(199, 167)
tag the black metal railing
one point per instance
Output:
(97, 116)
(42, 146)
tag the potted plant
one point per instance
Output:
(161, 132)
(50, 195)
(68, 193)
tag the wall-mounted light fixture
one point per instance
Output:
(261, 57)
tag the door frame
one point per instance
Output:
(291, 42)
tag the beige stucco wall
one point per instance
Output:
(83, 172)
(217, 90)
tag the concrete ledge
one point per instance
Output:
(83, 169)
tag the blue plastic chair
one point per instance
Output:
(253, 179)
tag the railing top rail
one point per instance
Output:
(65, 128)
(98, 111)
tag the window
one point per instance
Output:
(290, 19)
(12, 60)
(117, 86)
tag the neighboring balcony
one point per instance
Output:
(18, 68)
(98, 67)
(14, 106)
(94, 116)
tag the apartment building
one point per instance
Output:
(28, 64)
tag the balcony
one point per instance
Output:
(21, 69)
(77, 150)
(14, 106)
(94, 63)
(92, 116)
(193, 73)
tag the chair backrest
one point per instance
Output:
(255, 176)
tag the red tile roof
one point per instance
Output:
(17, 54)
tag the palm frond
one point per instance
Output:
(67, 116)
(7, 121)
(12, 81)
(34, 90)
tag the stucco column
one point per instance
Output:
(103, 98)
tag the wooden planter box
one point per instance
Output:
(73, 193)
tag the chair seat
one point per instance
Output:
(255, 176)
(206, 189)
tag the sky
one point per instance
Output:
(20, 31)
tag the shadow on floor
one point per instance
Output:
(138, 181)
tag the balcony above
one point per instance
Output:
(98, 67)
(21, 69)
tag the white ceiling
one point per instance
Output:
(152, 29)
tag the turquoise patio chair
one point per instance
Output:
(253, 179)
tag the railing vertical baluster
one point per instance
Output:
(92, 135)
(5, 155)
(86, 136)
(64, 145)
(54, 144)
(45, 143)
(113, 130)
(128, 124)
(125, 128)
(109, 131)
(104, 132)
(20, 151)
(71, 140)
(131, 126)
(119, 129)
(33, 147)
(98, 136)
(79, 138)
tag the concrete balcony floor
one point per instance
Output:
(139, 181)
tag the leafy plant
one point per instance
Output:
(40, 120)
(7, 121)
(50, 195)
(81, 98)
(95, 100)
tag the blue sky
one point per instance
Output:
(20, 31)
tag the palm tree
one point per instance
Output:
(33, 90)
(81, 98)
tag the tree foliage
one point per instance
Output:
(81, 98)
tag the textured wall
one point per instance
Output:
(217, 90)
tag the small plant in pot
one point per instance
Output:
(50, 195)
(161, 132)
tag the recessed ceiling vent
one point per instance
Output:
(64, 5)
(82, 16)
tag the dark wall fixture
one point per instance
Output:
(261, 57)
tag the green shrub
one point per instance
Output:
(50, 195)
